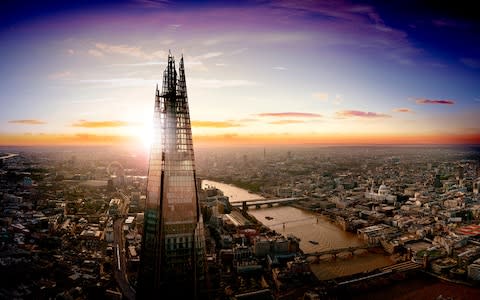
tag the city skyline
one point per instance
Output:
(278, 72)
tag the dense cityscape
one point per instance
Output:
(324, 150)
(72, 219)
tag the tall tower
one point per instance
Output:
(173, 243)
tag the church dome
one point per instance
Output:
(383, 190)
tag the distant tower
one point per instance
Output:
(437, 182)
(173, 243)
(460, 172)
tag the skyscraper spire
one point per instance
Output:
(172, 255)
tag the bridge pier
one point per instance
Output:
(244, 206)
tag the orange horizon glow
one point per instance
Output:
(239, 139)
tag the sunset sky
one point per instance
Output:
(258, 72)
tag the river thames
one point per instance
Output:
(310, 227)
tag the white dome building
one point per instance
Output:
(383, 194)
(383, 190)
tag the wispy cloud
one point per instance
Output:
(320, 96)
(142, 64)
(93, 100)
(290, 115)
(65, 139)
(60, 75)
(434, 101)
(338, 99)
(167, 42)
(220, 83)
(95, 52)
(102, 124)
(215, 124)
(280, 68)
(403, 110)
(27, 122)
(450, 23)
(238, 51)
(152, 3)
(207, 56)
(358, 25)
(133, 51)
(286, 122)
(471, 62)
(120, 82)
(211, 42)
(360, 114)
(174, 26)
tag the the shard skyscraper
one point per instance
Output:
(173, 244)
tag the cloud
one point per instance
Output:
(151, 3)
(280, 68)
(95, 52)
(221, 65)
(60, 75)
(102, 124)
(471, 62)
(142, 64)
(320, 96)
(70, 51)
(27, 122)
(434, 101)
(352, 24)
(338, 99)
(134, 51)
(450, 23)
(360, 114)
(207, 55)
(167, 42)
(217, 83)
(93, 100)
(290, 115)
(238, 51)
(285, 122)
(403, 110)
(211, 42)
(215, 124)
(120, 82)
(66, 139)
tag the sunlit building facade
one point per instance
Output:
(173, 244)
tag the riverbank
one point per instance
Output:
(5, 156)
(303, 222)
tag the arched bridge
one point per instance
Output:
(270, 202)
(336, 251)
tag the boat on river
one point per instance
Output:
(313, 242)
(268, 218)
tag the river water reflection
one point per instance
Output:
(235, 194)
(309, 227)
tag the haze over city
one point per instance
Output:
(232, 150)
(259, 72)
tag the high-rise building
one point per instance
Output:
(173, 243)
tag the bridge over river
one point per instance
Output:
(336, 251)
(269, 202)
